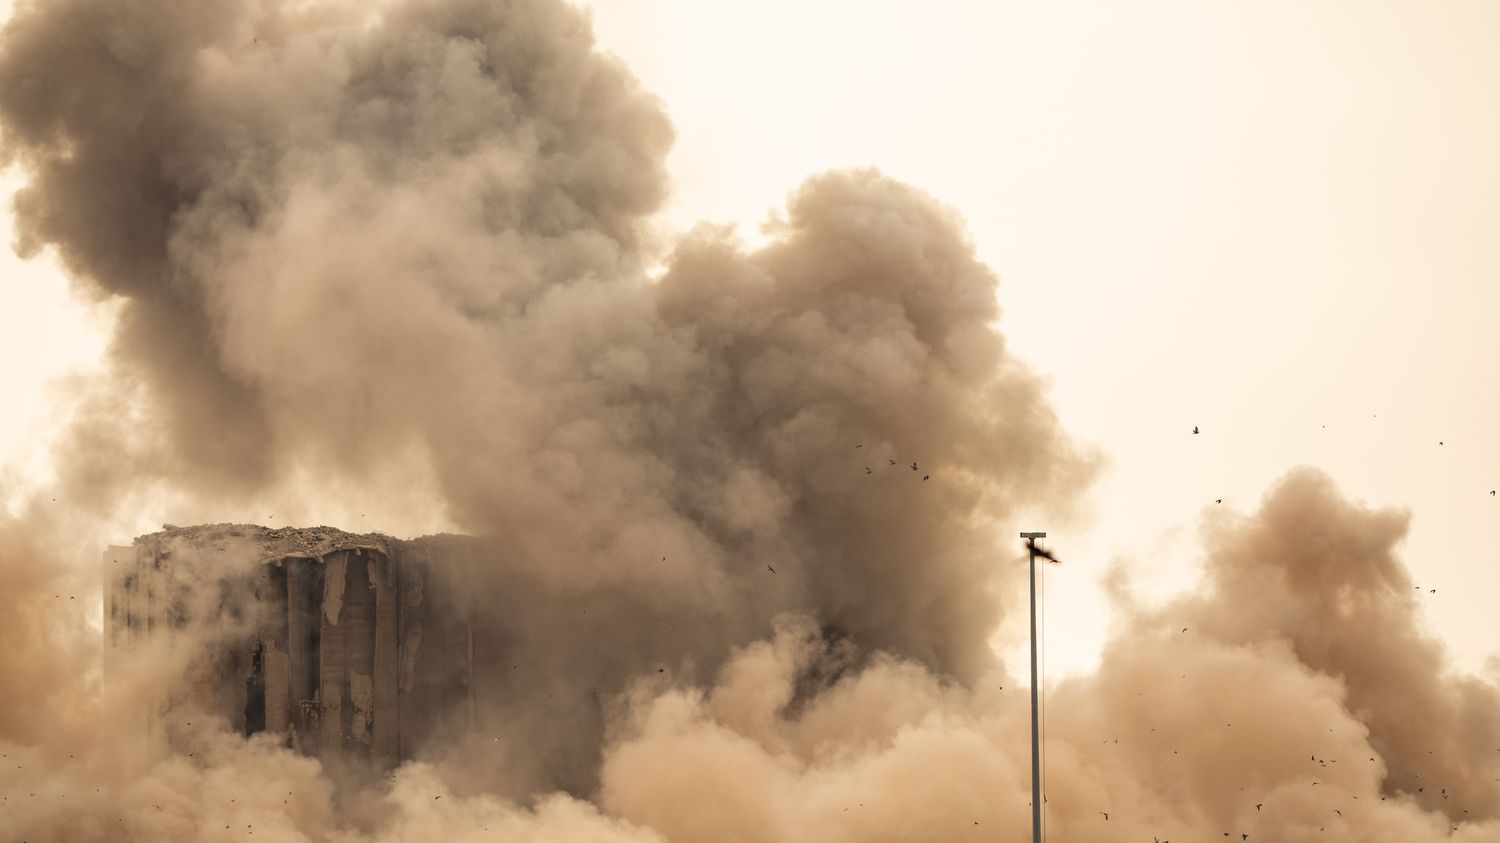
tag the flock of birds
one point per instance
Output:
(1196, 432)
(869, 470)
(1259, 806)
(1221, 500)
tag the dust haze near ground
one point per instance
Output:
(745, 512)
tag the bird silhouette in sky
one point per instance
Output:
(1195, 428)
(769, 568)
(1042, 552)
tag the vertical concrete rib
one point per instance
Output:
(143, 621)
(409, 568)
(275, 660)
(387, 746)
(135, 592)
(222, 682)
(332, 672)
(304, 586)
(359, 651)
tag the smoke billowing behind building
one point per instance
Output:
(743, 517)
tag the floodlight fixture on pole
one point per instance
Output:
(1036, 747)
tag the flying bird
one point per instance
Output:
(1195, 428)
(1492, 493)
(769, 568)
(913, 466)
(926, 476)
(1042, 552)
(1218, 500)
(1259, 805)
(892, 462)
(1106, 815)
(868, 471)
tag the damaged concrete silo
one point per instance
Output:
(348, 646)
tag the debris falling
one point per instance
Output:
(404, 251)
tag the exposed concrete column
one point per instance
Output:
(143, 619)
(409, 644)
(304, 592)
(359, 651)
(387, 745)
(275, 662)
(332, 670)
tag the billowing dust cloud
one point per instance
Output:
(747, 509)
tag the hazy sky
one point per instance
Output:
(1279, 222)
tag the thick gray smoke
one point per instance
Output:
(744, 513)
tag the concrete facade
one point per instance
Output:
(347, 646)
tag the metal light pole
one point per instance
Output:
(1036, 746)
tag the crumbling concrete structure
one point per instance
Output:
(347, 646)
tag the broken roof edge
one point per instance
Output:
(278, 543)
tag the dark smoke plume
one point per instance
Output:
(403, 255)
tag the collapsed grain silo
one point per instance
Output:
(349, 647)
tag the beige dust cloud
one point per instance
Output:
(743, 510)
